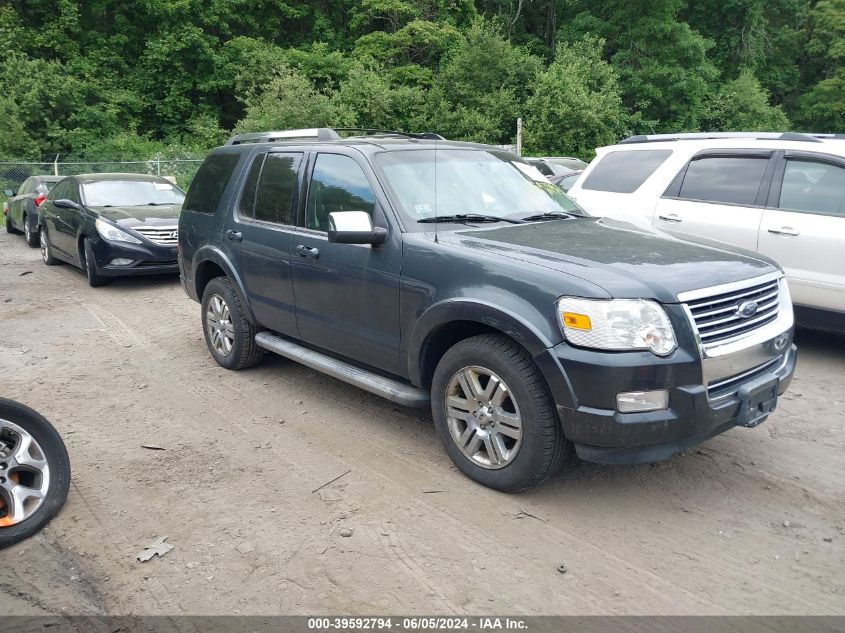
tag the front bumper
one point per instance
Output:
(585, 383)
(147, 258)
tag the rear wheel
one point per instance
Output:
(34, 472)
(228, 333)
(46, 248)
(494, 414)
(29, 232)
(94, 278)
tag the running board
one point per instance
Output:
(393, 390)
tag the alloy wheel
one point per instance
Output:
(218, 323)
(24, 474)
(45, 247)
(483, 417)
(27, 231)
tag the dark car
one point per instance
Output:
(22, 206)
(453, 275)
(112, 225)
(565, 181)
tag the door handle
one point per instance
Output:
(235, 236)
(308, 251)
(786, 231)
(671, 217)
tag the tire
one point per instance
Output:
(54, 452)
(29, 232)
(95, 280)
(520, 463)
(46, 248)
(9, 227)
(229, 335)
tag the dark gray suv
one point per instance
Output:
(454, 275)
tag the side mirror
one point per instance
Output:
(64, 203)
(354, 227)
(8, 193)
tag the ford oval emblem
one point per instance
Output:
(746, 309)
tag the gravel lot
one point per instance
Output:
(752, 521)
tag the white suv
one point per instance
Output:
(781, 195)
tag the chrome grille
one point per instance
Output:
(717, 317)
(164, 235)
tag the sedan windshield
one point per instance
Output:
(467, 182)
(131, 193)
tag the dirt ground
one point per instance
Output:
(751, 522)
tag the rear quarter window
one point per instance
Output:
(625, 171)
(210, 182)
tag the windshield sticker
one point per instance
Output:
(163, 186)
(529, 170)
(423, 209)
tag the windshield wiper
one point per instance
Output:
(554, 215)
(468, 217)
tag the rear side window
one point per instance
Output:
(724, 179)
(210, 182)
(274, 200)
(814, 187)
(624, 172)
(337, 184)
(247, 203)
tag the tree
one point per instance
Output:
(743, 104)
(822, 107)
(482, 86)
(577, 104)
(290, 101)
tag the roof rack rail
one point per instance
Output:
(699, 136)
(318, 133)
(323, 134)
(431, 136)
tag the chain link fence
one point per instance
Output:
(182, 170)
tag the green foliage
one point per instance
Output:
(139, 78)
(822, 107)
(743, 104)
(482, 86)
(291, 101)
(577, 104)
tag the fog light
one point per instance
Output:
(640, 401)
(120, 261)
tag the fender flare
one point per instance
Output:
(495, 316)
(215, 255)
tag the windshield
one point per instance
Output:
(131, 193)
(479, 182)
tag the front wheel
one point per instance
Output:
(95, 280)
(9, 227)
(228, 333)
(34, 472)
(494, 414)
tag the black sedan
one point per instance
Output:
(22, 206)
(112, 225)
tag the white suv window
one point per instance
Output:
(813, 186)
(624, 172)
(724, 179)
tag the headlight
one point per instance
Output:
(113, 234)
(616, 324)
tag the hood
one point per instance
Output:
(159, 215)
(626, 260)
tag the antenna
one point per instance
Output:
(436, 240)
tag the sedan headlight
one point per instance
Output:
(616, 324)
(113, 234)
